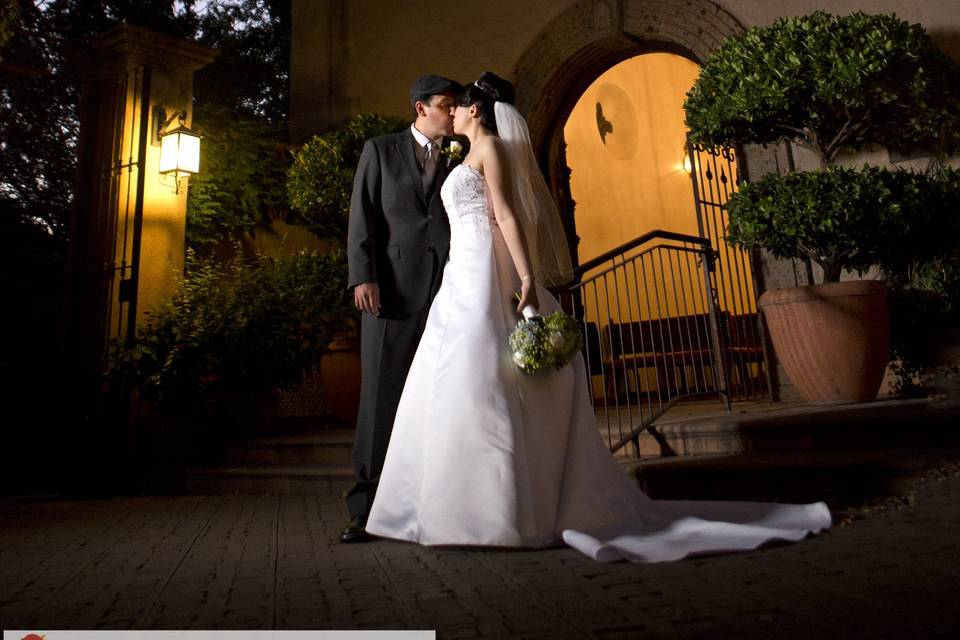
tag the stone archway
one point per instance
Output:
(589, 38)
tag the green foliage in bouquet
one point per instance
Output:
(236, 328)
(828, 83)
(545, 342)
(320, 179)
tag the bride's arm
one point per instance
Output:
(494, 165)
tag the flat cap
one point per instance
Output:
(426, 86)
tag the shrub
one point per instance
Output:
(839, 217)
(242, 177)
(320, 179)
(828, 83)
(237, 328)
(924, 284)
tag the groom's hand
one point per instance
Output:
(366, 297)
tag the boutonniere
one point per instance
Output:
(453, 151)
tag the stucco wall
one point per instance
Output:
(941, 18)
(632, 180)
(355, 56)
(350, 56)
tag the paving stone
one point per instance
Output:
(262, 562)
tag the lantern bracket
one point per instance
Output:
(161, 121)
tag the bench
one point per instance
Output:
(743, 349)
(668, 345)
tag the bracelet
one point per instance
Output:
(526, 277)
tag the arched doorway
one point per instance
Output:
(586, 54)
(629, 168)
(587, 40)
(626, 151)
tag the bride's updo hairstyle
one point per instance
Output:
(490, 88)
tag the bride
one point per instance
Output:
(484, 455)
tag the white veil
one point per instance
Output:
(534, 207)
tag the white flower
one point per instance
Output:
(518, 358)
(557, 341)
(452, 151)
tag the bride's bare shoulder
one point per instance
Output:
(490, 149)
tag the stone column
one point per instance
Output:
(127, 231)
(128, 225)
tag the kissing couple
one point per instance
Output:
(454, 444)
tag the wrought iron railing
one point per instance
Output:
(715, 176)
(652, 332)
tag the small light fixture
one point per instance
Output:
(686, 163)
(179, 147)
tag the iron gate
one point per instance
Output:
(119, 207)
(651, 329)
(715, 176)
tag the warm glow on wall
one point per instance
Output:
(626, 149)
(630, 173)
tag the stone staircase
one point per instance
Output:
(845, 455)
(842, 454)
(305, 463)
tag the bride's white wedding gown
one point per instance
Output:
(482, 454)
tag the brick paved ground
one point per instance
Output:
(272, 562)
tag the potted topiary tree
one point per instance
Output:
(829, 84)
(319, 183)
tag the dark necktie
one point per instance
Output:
(429, 166)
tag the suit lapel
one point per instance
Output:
(405, 147)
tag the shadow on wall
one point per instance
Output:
(949, 41)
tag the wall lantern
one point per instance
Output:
(179, 147)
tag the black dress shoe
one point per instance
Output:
(355, 531)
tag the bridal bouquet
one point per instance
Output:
(541, 342)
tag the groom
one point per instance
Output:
(397, 245)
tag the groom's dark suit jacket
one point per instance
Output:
(399, 238)
(396, 231)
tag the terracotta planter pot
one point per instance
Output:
(832, 339)
(340, 380)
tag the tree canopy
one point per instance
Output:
(39, 44)
(828, 83)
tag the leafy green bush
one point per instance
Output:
(237, 328)
(320, 179)
(9, 17)
(242, 177)
(839, 217)
(924, 284)
(828, 83)
(835, 83)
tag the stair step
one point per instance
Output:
(882, 425)
(253, 480)
(318, 448)
(285, 425)
(840, 478)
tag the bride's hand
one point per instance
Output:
(528, 295)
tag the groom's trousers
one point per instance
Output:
(387, 347)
